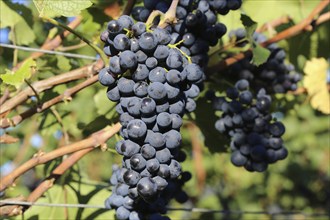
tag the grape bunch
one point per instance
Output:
(255, 136)
(275, 76)
(154, 84)
(210, 7)
(123, 197)
(196, 26)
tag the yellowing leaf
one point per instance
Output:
(315, 81)
(321, 101)
(18, 77)
(68, 8)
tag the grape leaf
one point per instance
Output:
(99, 99)
(61, 7)
(205, 119)
(9, 18)
(260, 55)
(315, 81)
(63, 63)
(22, 39)
(24, 72)
(249, 25)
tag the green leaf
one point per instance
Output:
(249, 25)
(102, 103)
(61, 7)
(18, 77)
(63, 63)
(205, 119)
(9, 18)
(16, 35)
(260, 55)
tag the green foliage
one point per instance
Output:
(250, 26)
(260, 54)
(24, 72)
(298, 183)
(18, 25)
(61, 7)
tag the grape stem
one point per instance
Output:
(170, 15)
(152, 17)
(176, 47)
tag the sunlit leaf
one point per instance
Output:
(63, 63)
(260, 55)
(16, 78)
(315, 82)
(61, 7)
(100, 99)
(10, 18)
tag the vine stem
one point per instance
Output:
(66, 96)
(170, 15)
(47, 183)
(290, 32)
(296, 29)
(198, 156)
(46, 84)
(274, 23)
(96, 48)
(96, 139)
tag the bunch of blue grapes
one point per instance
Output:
(255, 136)
(210, 7)
(124, 198)
(197, 24)
(154, 84)
(275, 75)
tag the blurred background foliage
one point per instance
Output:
(299, 183)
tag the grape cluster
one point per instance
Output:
(210, 7)
(196, 26)
(154, 84)
(275, 76)
(123, 197)
(255, 137)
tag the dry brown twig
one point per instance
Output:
(43, 85)
(274, 23)
(198, 156)
(5, 209)
(7, 139)
(290, 32)
(67, 95)
(87, 145)
(93, 141)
